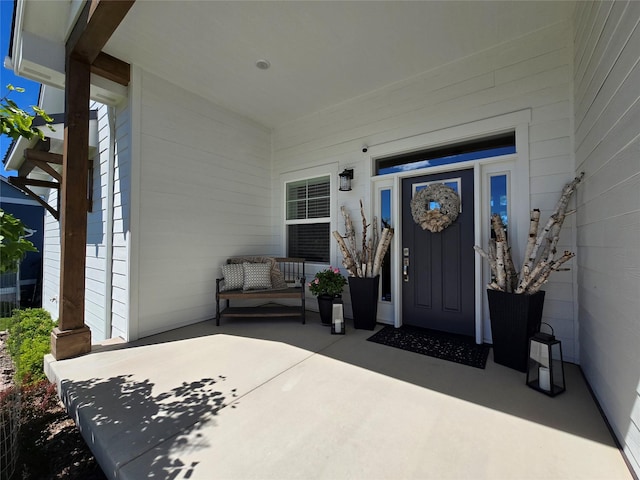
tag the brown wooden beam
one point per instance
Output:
(37, 158)
(25, 169)
(22, 184)
(41, 145)
(112, 69)
(97, 22)
(95, 25)
(45, 167)
(33, 182)
(48, 157)
(72, 337)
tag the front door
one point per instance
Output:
(438, 285)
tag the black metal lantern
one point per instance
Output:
(345, 179)
(545, 371)
(337, 318)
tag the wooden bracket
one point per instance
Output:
(90, 187)
(43, 160)
(24, 183)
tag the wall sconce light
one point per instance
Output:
(345, 179)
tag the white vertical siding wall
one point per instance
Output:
(607, 143)
(532, 72)
(121, 223)
(51, 260)
(96, 268)
(204, 195)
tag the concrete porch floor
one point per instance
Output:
(276, 399)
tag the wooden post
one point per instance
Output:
(93, 28)
(72, 337)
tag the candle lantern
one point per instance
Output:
(337, 318)
(545, 371)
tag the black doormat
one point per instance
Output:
(455, 348)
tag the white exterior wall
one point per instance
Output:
(533, 72)
(96, 267)
(607, 143)
(106, 288)
(120, 286)
(51, 260)
(104, 322)
(204, 195)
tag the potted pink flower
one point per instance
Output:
(327, 285)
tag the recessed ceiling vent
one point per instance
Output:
(263, 64)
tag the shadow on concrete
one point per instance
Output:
(111, 412)
(496, 387)
(115, 407)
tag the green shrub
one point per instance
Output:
(29, 342)
(4, 323)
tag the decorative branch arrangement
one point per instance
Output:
(366, 261)
(540, 255)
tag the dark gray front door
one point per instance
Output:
(438, 290)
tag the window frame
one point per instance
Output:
(330, 171)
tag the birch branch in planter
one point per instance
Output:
(540, 254)
(368, 261)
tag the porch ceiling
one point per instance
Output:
(321, 53)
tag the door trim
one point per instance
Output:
(518, 121)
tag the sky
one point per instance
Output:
(32, 89)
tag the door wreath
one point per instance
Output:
(446, 202)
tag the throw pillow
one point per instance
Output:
(233, 277)
(257, 276)
(278, 281)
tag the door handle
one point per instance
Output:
(405, 269)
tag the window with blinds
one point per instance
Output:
(308, 217)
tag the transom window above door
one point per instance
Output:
(486, 147)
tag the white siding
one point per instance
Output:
(607, 144)
(204, 196)
(121, 224)
(533, 72)
(51, 260)
(95, 269)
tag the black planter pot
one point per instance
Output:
(364, 301)
(514, 319)
(325, 307)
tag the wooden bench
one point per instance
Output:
(293, 271)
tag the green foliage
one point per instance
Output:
(29, 342)
(13, 246)
(15, 122)
(4, 323)
(328, 282)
